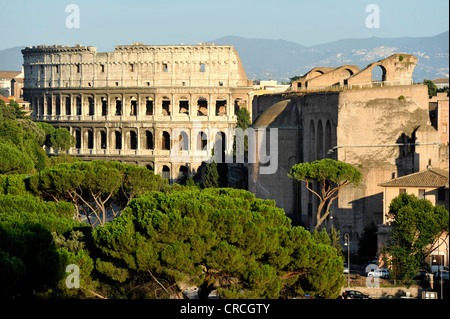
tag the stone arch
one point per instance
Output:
(103, 140)
(91, 106)
(166, 172)
(202, 141)
(183, 141)
(183, 172)
(378, 73)
(319, 140)
(58, 105)
(133, 140)
(165, 142)
(49, 105)
(77, 133)
(118, 110)
(68, 103)
(88, 137)
(78, 105)
(117, 135)
(149, 140)
(220, 146)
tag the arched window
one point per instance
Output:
(78, 105)
(58, 106)
(220, 147)
(68, 106)
(91, 106)
(49, 105)
(183, 172)
(118, 137)
(103, 142)
(90, 139)
(166, 140)
(149, 143)
(166, 172)
(133, 140)
(202, 105)
(118, 107)
(77, 138)
(104, 106)
(202, 142)
(183, 106)
(183, 141)
(378, 74)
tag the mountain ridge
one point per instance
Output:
(280, 59)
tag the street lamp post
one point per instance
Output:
(440, 271)
(441, 267)
(347, 243)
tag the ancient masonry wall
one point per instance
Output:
(363, 127)
(124, 105)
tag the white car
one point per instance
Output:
(345, 269)
(379, 273)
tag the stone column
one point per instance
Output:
(44, 106)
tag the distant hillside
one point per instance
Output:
(11, 59)
(280, 59)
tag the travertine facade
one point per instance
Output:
(383, 128)
(124, 105)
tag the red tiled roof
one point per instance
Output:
(433, 177)
(8, 99)
(440, 80)
(9, 74)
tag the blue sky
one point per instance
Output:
(107, 23)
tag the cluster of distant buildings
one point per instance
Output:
(11, 88)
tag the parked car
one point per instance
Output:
(354, 294)
(379, 273)
(444, 273)
(436, 268)
(345, 269)
(422, 275)
(389, 297)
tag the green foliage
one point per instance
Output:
(13, 184)
(416, 226)
(432, 88)
(57, 138)
(223, 238)
(331, 175)
(211, 175)
(22, 142)
(96, 187)
(240, 143)
(31, 262)
(367, 243)
(14, 161)
(243, 118)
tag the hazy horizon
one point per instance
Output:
(104, 24)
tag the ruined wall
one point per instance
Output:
(396, 68)
(361, 127)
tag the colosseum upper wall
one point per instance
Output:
(124, 105)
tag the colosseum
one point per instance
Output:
(127, 105)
